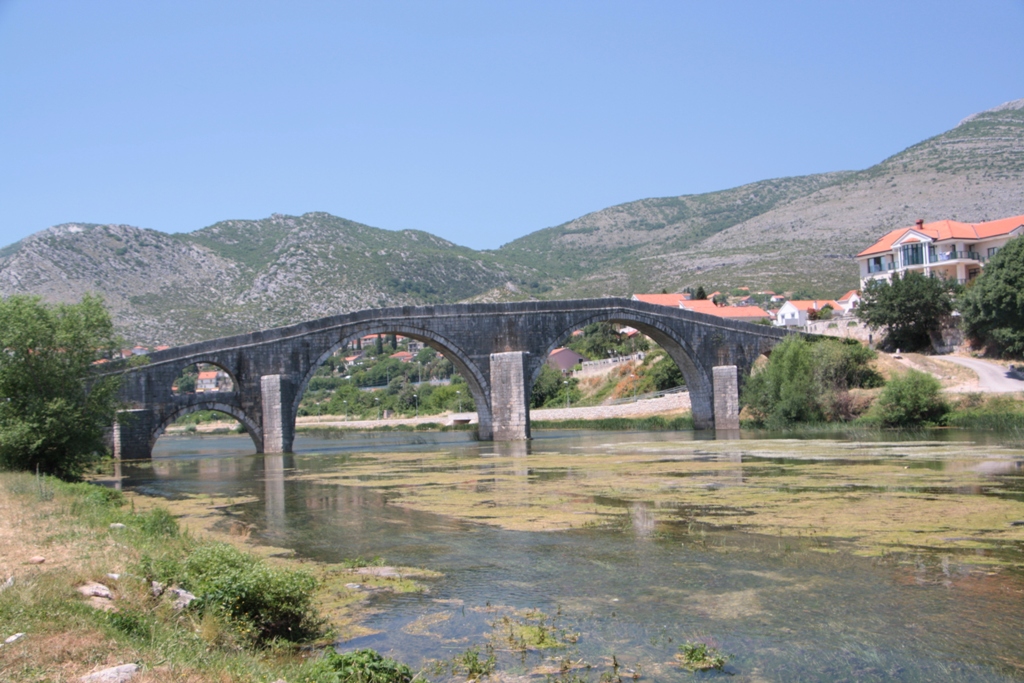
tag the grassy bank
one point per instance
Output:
(655, 423)
(253, 618)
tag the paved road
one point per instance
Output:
(991, 376)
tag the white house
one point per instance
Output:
(947, 249)
(795, 313)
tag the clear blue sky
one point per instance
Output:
(478, 121)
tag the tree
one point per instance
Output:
(806, 381)
(993, 306)
(55, 409)
(910, 308)
(701, 295)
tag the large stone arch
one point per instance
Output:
(477, 385)
(698, 380)
(251, 426)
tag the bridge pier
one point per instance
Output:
(132, 434)
(278, 422)
(510, 420)
(725, 382)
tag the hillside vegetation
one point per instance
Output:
(781, 234)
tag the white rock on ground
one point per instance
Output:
(98, 590)
(115, 674)
(184, 598)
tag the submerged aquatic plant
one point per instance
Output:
(700, 657)
(471, 663)
(362, 666)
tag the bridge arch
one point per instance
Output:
(251, 426)
(698, 380)
(477, 385)
(179, 368)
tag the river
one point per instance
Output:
(847, 558)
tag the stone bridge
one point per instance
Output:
(498, 348)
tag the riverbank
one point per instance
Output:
(76, 583)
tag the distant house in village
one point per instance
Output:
(672, 300)
(748, 313)
(797, 313)
(355, 357)
(403, 356)
(212, 380)
(415, 346)
(564, 359)
(849, 300)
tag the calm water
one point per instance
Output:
(780, 609)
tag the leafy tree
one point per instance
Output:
(910, 308)
(551, 387)
(912, 399)
(54, 409)
(993, 306)
(661, 372)
(784, 391)
(701, 295)
(379, 346)
(806, 381)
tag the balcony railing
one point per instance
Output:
(955, 255)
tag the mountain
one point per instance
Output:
(790, 233)
(781, 234)
(238, 276)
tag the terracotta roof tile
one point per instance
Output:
(948, 230)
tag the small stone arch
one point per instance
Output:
(698, 381)
(478, 386)
(251, 427)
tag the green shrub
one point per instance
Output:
(912, 399)
(361, 666)
(158, 522)
(808, 381)
(997, 413)
(700, 657)
(264, 603)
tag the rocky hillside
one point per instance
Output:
(240, 276)
(781, 234)
(788, 233)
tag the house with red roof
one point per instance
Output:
(797, 313)
(947, 249)
(672, 300)
(564, 360)
(403, 356)
(706, 306)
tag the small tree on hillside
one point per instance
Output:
(700, 295)
(910, 308)
(993, 306)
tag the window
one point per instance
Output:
(992, 251)
(912, 254)
(875, 265)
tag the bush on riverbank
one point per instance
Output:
(912, 399)
(995, 413)
(809, 381)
